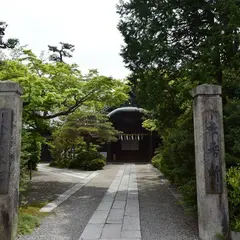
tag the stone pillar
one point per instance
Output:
(10, 144)
(213, 216)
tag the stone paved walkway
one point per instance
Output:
(117, 216)
(122, 202)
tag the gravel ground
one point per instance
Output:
(70, 218)
(162, 218)
(48, 183)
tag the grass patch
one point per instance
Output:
(30, 218)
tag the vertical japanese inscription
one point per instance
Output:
(212, 152)
(5, 141)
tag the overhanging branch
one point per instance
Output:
(70, 109)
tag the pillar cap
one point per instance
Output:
(206, 89)
(9, 86)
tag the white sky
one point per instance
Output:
(88, 24)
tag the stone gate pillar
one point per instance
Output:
(213, 217)
(10, 144)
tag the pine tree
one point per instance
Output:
(9, 43)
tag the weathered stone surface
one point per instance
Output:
(111, 231)
(5, 138)
(206, 89)
(131, 234)
(115, 216)
(99, 217)
(212, 151)
(119, 204)
(213, 216)
(92, 231)
(104, 206)
(131, 223)
(10, 143)
(235, 235)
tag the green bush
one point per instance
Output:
(88, 155)
(30, 218)
(53, 164)
(233, 180)
(59, 164)
(31, 148)
(189, 193)
(25, 156)
(83, 160)
(86, 160)
(27, 223)
(30, 152)
(156, 161)
(95, 164)
(232, 132)
(176, 158)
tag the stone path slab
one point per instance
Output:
(117, 216)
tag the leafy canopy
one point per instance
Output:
(54, 89)
(170, 47)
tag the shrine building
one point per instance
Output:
(135, 143)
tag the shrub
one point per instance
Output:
(30, 218)
(95, 164)
(189, 193)
(176, 158)
(30, 152)
(27, 223)
(232, 132)
(156, 161)
(82, 159)
(88, 155)
(233, 180)
(53, 164)
(60, 164)
(25, 156)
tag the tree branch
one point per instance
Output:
(70, 109)
(35, 67)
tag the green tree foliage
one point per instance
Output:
(91, 123)
(233, 180)
(166, 35)
(52, 89)
(75, 142)
(171, 47)
(55, 89)
(58, 89)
